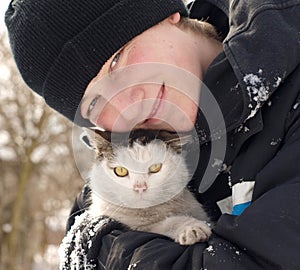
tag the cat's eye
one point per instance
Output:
(155, 168)
(121, 171)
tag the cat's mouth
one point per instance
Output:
(157, 104)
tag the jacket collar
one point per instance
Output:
(260, 69)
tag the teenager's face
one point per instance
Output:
(144, 84)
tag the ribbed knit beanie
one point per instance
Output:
(60, 45)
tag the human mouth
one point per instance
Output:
(157, 103)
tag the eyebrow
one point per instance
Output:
(119, 50)
(84, 98)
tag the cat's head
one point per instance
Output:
(140, 169)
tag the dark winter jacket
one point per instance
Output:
(256, 82)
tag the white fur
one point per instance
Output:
(166, 207)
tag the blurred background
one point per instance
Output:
(38, 176)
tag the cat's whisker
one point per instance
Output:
(104, 267)
(76, 213)
(116, 210)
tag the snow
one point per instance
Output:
(73, 249)
(252, 79)
(275, 141)
(243, 128)
(211, 250)
(132, 266)
(246, 129)
(217, 163)
(278, 80)
(76, 257)
(259, 90)
(296, 105)
(229, 181)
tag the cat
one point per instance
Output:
(141, 182)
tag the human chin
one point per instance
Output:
(182, 122)
(156, 124)
(172, 120)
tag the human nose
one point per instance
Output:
(128, 96)
(129, 102)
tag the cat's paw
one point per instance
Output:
(194, 233)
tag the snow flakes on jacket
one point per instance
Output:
(74, 248)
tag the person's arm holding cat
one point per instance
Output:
(253, 74)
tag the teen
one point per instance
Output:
(62, 48)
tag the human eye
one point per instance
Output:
(93, 104)
(115, 61)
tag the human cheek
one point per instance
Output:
(182, 112)
(189, 113)
(139, 54)
(136, 103)
(120, 115)
(106, 117)
(190, 108)
(126, 97)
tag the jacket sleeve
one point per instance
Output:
(79, 205)
(140, 251)
(103, 243)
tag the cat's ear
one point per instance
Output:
(95, 138)
(177, 141)
(180, 141)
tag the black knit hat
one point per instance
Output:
(60, 45)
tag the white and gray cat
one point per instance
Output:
(142, 184)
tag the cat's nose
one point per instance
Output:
(140, 187)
